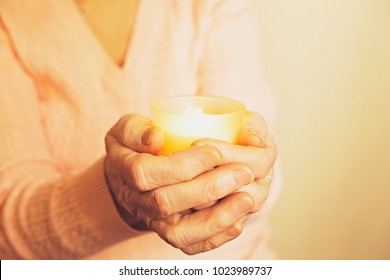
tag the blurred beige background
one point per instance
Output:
(328, 62)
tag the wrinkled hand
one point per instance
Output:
(158, 192)
(257, 150)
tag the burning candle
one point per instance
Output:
(185, 119)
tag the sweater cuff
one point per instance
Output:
(97, 211)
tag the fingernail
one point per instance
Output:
(234, 230)
(244, 205)
(210, 155)
(198, 144)
(147, 135)
(257, 135)
(243, 176)
(244, 219)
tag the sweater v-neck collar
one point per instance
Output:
(38, 27)
(99, 44)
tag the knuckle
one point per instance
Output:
(123, 134)
(172, 238)
(210, 244)
(211, 188)
(125, 127)
(137, 171)
(160, 203)
(219, 223)
(119, 125)
(189, 251)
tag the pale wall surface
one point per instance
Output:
(328, 62)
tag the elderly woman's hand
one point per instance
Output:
(257, 150)
(158, 192)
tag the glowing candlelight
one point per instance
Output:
(193, 111)
(185, 119)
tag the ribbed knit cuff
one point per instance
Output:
(95, 223)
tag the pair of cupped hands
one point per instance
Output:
(196, 199)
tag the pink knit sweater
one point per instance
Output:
(60, 92)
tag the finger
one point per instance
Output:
(145, 172)
(138, 134)
(214, 241)
(210, 186)
(206, 223)
(259, 191)
(206, 205)
(253, 119)
(254, 130)
(250, 136)
(260, 160)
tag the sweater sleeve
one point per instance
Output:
(45, 213)
(231, 62)
(231, 66)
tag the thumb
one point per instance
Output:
(254, 131)
(138, 133)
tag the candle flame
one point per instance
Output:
(193, 111)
